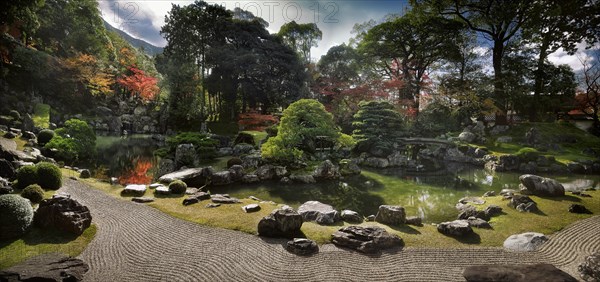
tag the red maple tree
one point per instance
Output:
(138, 83)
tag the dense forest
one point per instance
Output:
(222, 66)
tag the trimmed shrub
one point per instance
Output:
(16, 215)
(244, 137)
(177, 187)
(206, 147)
(49, 176)
(528, 154)
(302, 123)
(76, 140)
(234, 161)
(376, 126)
(45, 136)
(26, 176)
(34, 193)
(15, 115)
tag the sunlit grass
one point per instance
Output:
(258, 135)
(549, 131)
(554, 217)
(37, 241)
(41, 115)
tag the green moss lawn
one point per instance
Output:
(554, 217)
(41, 115)
(549, 132)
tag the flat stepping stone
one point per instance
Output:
(472, 200)
(134, 189)
(223, 199)
(251, 208)
(213, 205)
(198, 197)
(162, 190)
(142, 199)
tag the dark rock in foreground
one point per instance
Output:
(516, 273)
(577, 208)
(589, 270)
(283, 222)
(302, 247)
(64, 214)
(47, 267)
(365, 239)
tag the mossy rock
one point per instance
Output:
(177, 187)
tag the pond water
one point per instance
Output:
(432, 196)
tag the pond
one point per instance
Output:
(432, 196)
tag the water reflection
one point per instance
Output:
(129, 158)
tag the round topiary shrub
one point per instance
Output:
(34, 193)
(234, 161)
(26, 176)
(177, 187)
(45, 136)
(49, 176)
(16, 215)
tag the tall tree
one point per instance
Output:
(301, 37)
(559, 24)
(21, 14)
(497, 21)
(407, 47)
(190, 32)
(588, 98)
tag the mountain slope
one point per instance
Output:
(137, 43)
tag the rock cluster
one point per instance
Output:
(64, 214)
(365, 239)
(283, 222)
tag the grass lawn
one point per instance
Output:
(37, 241)
(549, 132)
(554, 217)
(258, 135)
(41, 115)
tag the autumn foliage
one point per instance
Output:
(138, 174)
(256, 121)
(86, 70)
(139, 84)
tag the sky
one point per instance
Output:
(335, 18)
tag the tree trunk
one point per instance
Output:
(539, 80)
(499, 94)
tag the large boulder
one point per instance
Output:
(185, 155)
(349, 167)
(326, 170)
(525, 242)
(64, 214)
(589, 269)
(516, 273)
(391, 215)
(540, 186)
(221, 178)
(370, 239)
(456, 228)
(467, 137)
(283, 222)
(236, 172)
(51, 267)
(195, 177)
(302, 247)
(242, 149)
(7, 170)
(165, 166)
(321, 213)
(265, 172)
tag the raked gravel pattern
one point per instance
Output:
(135, 242)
